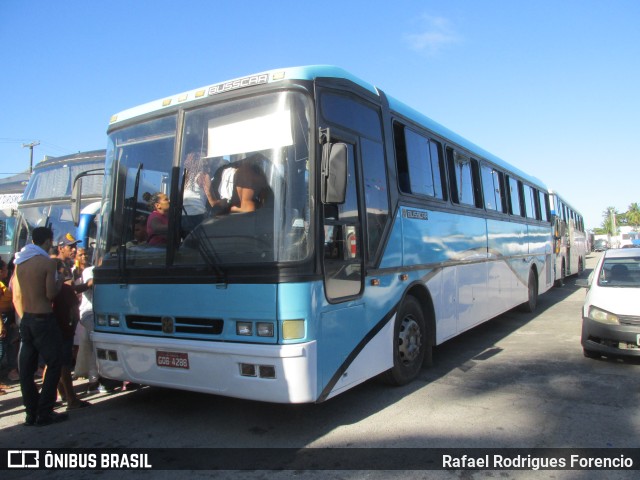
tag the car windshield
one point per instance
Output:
(620, 272)
(239, 195)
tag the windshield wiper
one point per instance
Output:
(136, 187)
(122, 258)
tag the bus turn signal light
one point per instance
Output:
(293, 329)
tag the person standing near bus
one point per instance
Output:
(81, 263)
(67, 314)
(35, 285)
(67, 250)
(7, 324)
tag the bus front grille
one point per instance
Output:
(175, 325)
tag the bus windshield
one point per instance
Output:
(45, 201)
(238, 191)
(58, 217)
(56, 181)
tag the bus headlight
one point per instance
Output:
(293, 329)
(111, 320)
(602, 316)
(264, 329)
(244, 328)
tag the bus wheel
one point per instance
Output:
(563, 273)
(410, 343)
(580, 266)
(530, 305)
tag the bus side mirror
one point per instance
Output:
(76, 193)
(335, 159)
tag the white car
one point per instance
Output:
(611, 311)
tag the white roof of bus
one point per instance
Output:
(553, 192)
(300, 73)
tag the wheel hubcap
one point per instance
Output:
(409, 340)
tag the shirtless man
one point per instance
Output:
(35, 285)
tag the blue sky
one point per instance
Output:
(551, 86)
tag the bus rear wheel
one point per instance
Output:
(532, 288)
(410, 343)
(580, 266)
(563, 273)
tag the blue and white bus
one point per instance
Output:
(570, 243)
(380, 234)
(46, 200)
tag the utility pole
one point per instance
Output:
(30, 146)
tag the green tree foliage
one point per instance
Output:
(612, 219)
(633, 215)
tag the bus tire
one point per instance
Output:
(410, 343)
(532, 287)
(563, 273)
(580, 266)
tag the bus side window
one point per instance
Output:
(419, 158)
(437, 165)
(491, 186)
(544, 206)
(402, 165)
(504, 198)
(419, 163)
(529, 201)
(514, 197)
(463, 172)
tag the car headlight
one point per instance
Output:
(603, 316)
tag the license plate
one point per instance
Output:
(172, 359)
(638, 339)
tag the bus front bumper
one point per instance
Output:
(271, 373)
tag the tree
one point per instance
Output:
(609, 224)
(633, 215)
